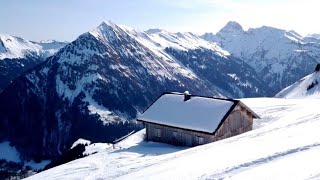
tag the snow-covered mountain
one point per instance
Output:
(92, 86)
(278, 56)
(307, 87)
(18, 55)
(283, 145)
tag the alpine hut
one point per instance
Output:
(188, 120)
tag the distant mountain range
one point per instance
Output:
(278, 56)
(93, 87)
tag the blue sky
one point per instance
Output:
(67, 19)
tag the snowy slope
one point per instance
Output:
(283, 145)
(307, 87)
(280, 57)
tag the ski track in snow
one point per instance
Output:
(283, 145)
(247, 165)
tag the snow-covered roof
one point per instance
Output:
(198, 113)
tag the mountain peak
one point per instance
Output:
(231, 26)
(106, 31)
(107, 23)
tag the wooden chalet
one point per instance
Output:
(189, 120)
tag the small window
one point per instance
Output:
(158, 133)
(200, 140)
(175, 134)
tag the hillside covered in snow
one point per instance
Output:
(306, 88)
(283, 145)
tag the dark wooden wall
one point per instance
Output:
(240, 120)
(183, 138)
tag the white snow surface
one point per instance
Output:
(300, 88)
(80, 141)
(91, 148)
(198, 113)
(96, 147)
(283, 145)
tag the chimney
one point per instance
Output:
(317, 69)
(187, 96)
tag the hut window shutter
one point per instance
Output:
(175, 134)
(200, 140)
(158, 133)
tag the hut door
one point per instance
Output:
(188, 140)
